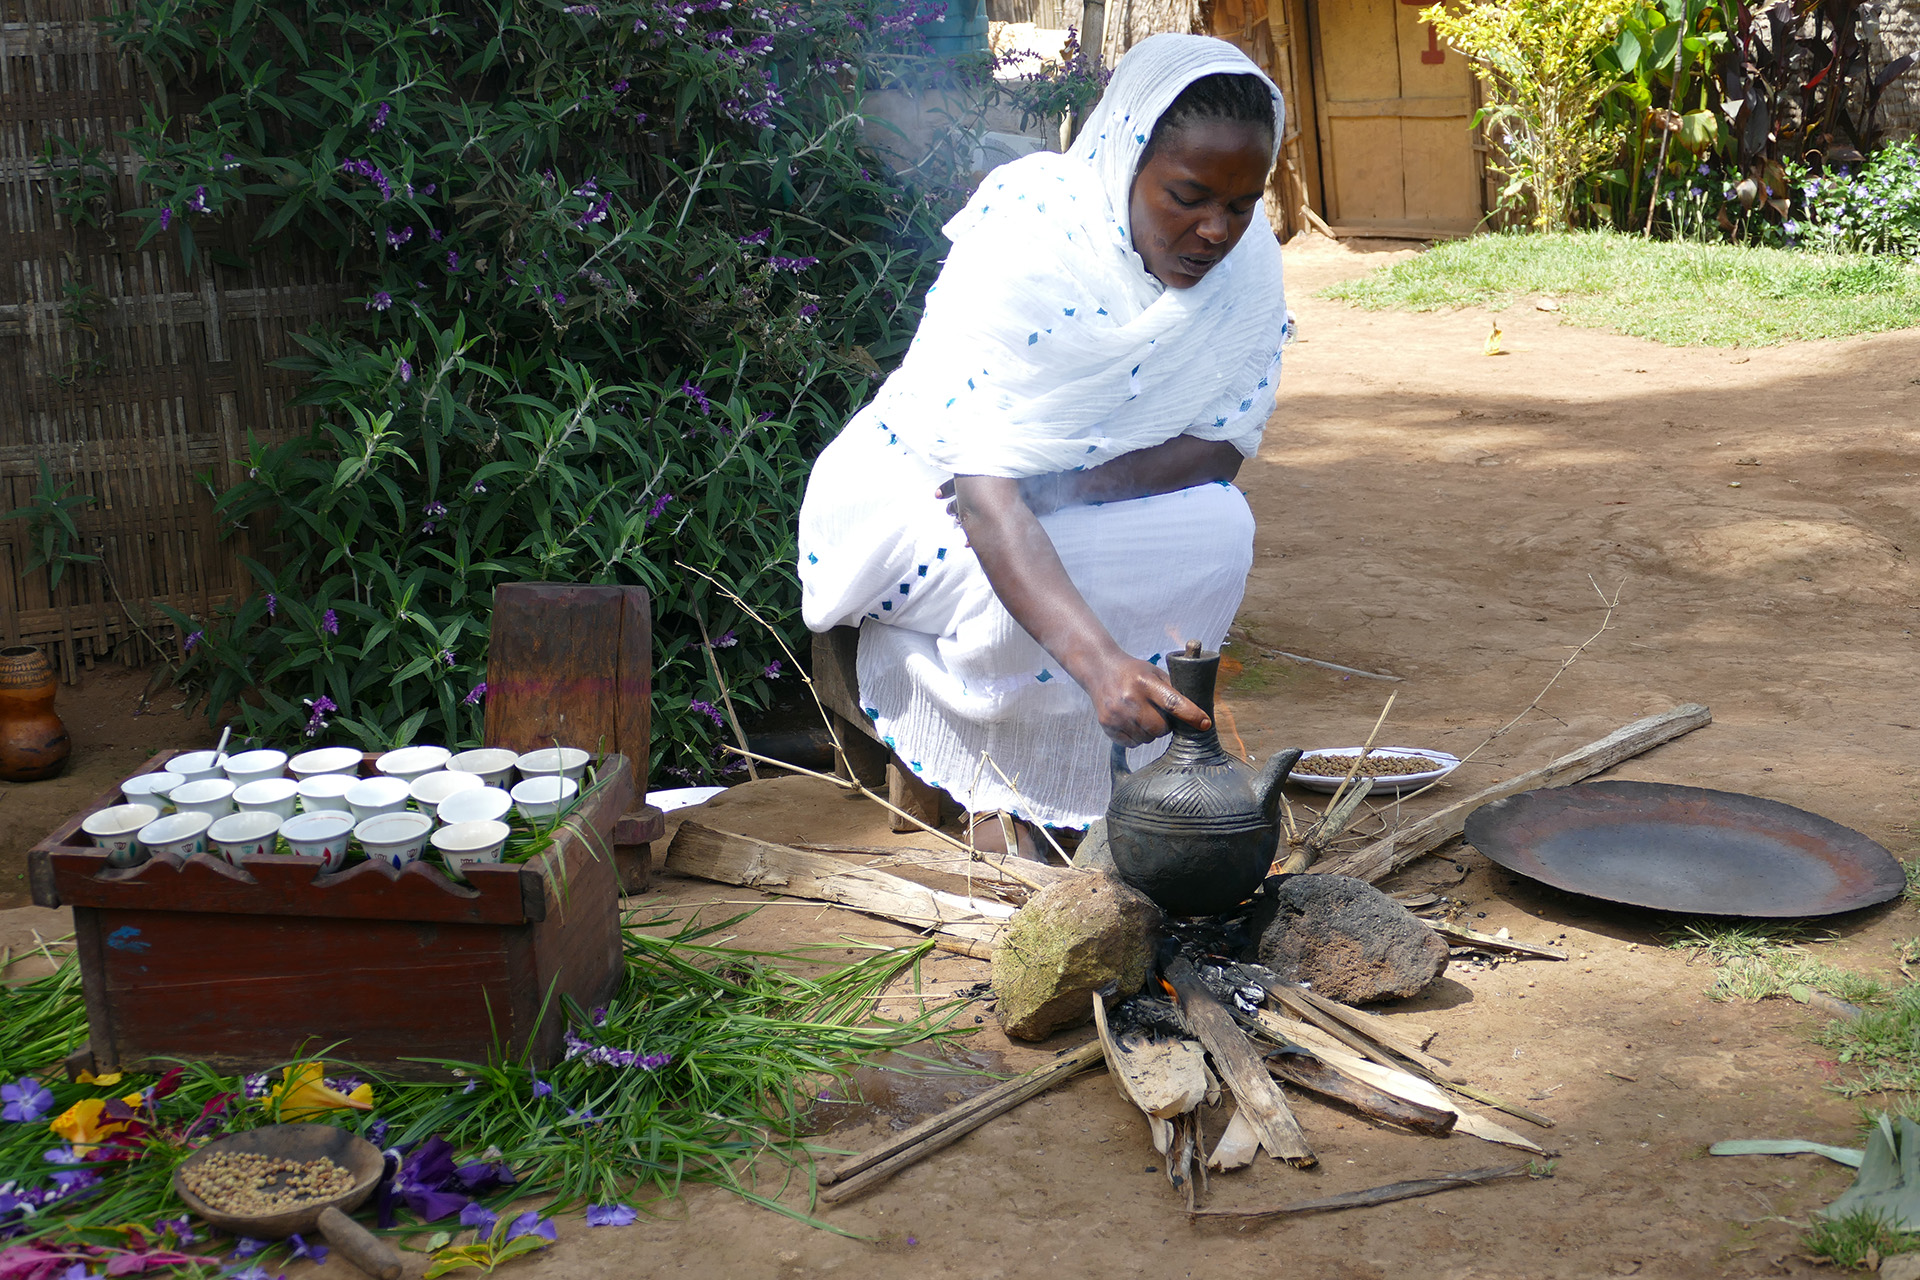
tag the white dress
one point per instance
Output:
(1046, 347)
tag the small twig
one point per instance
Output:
(1359, 759)
(1378, 1195)
(726, 696)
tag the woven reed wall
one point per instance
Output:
(138, 381)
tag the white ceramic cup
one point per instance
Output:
(211, 796)
(325, 792)
(195, 765)
(568, 762)
(544, 796)
(311, 764)
(371, 797)
(278, 796)
(253, 766)
(466, 843)
(429, 789)
(116, 830)
(245, 835)
(493, 764)
(394, 839)
(322, 834)
(408, 763)
(479, 804)
(151, 788)
(176, 837)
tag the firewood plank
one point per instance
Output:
(1233, 1057)
(1377, 861)
(707, 854)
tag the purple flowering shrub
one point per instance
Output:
(615, 273)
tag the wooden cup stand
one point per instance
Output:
(245, 967)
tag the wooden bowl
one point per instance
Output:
(288, 1142)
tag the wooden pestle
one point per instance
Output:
(359, 1246)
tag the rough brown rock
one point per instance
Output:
(1350, 941)
(1084, 934)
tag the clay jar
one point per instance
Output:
(1196, 830)
(33, 742)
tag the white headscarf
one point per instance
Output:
(1046, 345)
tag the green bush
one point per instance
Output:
(620, 270)
(1876, 210)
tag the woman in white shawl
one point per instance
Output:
(1037, 504)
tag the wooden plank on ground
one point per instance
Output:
(1240, 1067)
(707, 854)
(1388, 854)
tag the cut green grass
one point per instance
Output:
(1845, 1242)
(1882, 1045)
(1764, 959)
(1680, 293)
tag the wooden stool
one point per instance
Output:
(863, 758)
(572, 665)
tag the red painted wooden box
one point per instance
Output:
(247, 967)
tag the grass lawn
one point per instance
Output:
(1681, 293)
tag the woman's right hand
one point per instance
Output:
(1136, 704)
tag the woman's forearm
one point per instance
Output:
(1131, 698)
(1172, 465)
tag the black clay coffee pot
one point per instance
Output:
(1196, 830)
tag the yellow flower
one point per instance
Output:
(303, 1092)
(83, 1125)
(108, 1080)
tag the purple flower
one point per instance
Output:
(258, 1271)
(639, 119)
(610, 1215)
(372, 173)
(773, 670)
(166, 216)
(659, 505)
(246, 1247)
(600, 1016)
(531, 1223)
(559, 299)
(620, 85)
(541, 1088)
(758, 237)
(698, 396)
(406, 369)
(380, 115)
(427, 1183)
(315, 1253)
(330, 623)
(453, 260)
(59, 1155)
(435, 509)
(181, 1227)
(478, 1216)
(446, 656)
(795, 265)
(397, 238)
(273, 604)
(597, 212)
(322, 707)
(477, 488)
(706, 709)
(377, 1132)
(27, 1100)
(380, 301)
(474, 694)
(199, 202)
(727, 640)
(809, 311)
(187, 645)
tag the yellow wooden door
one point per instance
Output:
(1396, 113)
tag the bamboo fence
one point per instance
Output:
(139, 382)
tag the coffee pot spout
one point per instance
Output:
(1272, 779)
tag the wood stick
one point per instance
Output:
(1324, 832)
(953, 862)
(1165, 1078)
(1394, 1080)
(1238, 1065)
(708, 854)
(962, 946)
(1387, 855)
(1487, 942)
(868, 1169)
(1238, 1145)
(1307, 1071)
(1377, 1195)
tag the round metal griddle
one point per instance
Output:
(1718, 853)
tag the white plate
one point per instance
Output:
(1443, 764)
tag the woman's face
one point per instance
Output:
(1196, 195)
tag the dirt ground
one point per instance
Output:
(1450, 518)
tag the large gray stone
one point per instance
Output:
(1085, 934)
(1351, 942)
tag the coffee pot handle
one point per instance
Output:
(1118, 763)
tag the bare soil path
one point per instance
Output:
(1446, 516)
